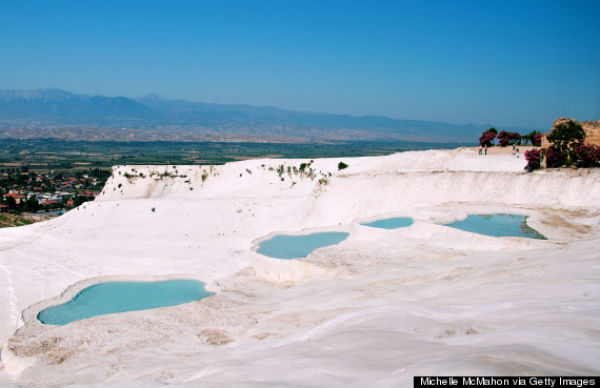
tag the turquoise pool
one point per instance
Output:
(497, 225)
(391, 223)
(117, 297)
(294, 247)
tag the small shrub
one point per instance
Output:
(119, 185)
(533, 158)
(507, 138)
(586, 155)
(153, 210)
(503, 138)
(555, 157)
(535, 137)
(487, 139)
(515, 138)
(204, 176)
(342, 165)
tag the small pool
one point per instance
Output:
(391, 223)
(285, 246)
(497, 225)
(118, 297)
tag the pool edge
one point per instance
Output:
(30, 314)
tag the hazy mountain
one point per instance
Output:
(58, 105)
(153, 113)
(215, 114)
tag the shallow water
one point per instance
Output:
(391, 223)
(293, 247)
(497, 225)
(116, 297)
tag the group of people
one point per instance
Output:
(484, 150)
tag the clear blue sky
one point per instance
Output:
(505, 62)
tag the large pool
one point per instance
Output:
(285, 246)
(497, 225)
(391, 223)
(117, 297)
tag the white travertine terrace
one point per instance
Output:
(375, 310)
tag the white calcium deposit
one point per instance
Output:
(374, 310)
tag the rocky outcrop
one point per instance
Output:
(591, 128)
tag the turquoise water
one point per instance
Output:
(293, 247)
(391, 223)
(117, 297)
(497, 225)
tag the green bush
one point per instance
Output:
(564, 138)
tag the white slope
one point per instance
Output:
(375, 310)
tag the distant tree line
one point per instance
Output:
(506, 138)
(30, 205)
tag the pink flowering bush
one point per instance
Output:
(503, 138)
(534, 158)
(487, 138)
(515, 138)
(506, 138)
(555, 157)
(535, 137)
(586, 155)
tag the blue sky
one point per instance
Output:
(511, 63)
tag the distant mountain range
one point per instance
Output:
(58, 105)
(50, 112)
